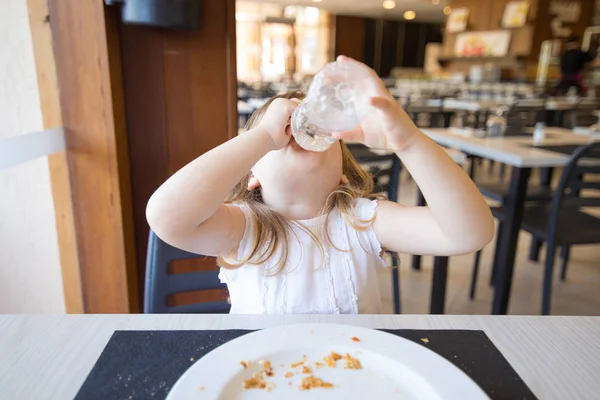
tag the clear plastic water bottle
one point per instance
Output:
(337, 101)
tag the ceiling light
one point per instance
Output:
(389, 4)
(317, 1)
(408, 15)
(447, 10)
(436, 2)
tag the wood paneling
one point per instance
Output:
(181, 101)
(113, 16)
(94, 153)
(41, 36)
(389, 44)
(350, 37)
(384, 44)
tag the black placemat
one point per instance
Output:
(146, 364)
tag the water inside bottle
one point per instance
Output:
(335, 103)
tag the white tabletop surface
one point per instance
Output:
(50, 357)
(514, 151)
(555, 104)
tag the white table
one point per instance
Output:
(513, 151)
(556, 104)
(50, 357)
(517, 153)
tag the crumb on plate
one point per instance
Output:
(201, 387)
(268, 369)
(256, 382)
(295, 365)
(306, 370)
(319, 364)
(289, 374)
(245, 364)
(351, 362)
(425, 340)
(312, 382)
(331, 359)
(355, 339)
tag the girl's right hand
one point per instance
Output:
(276, 121)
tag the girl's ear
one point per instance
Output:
(344, 180)
(253, 183)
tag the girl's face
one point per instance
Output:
(293, 167)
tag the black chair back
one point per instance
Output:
(160, 284)
(384, 168)
(581, 173)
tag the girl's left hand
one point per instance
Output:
(387, 126)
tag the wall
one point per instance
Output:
(526, 41)
(486, 15)
(384, 44)
(30, 274)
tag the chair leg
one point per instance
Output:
(474, 274)
(416, 260)
(502, 174)
(565, 253)
(496, 254)
(438, 285)
(534, 249)
(473, 167)
(547, 290)
(396, 284)
(416, 263)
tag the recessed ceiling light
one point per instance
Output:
(408, 15)
(436, 2)
(447, 10)
(317, 1)
(389, 4)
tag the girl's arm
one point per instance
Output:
(457, 218)
(187, 211)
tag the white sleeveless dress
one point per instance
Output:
(341, 282)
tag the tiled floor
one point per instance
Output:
(578, 295)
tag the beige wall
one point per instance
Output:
(30, 274)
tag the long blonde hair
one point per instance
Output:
(272, 230)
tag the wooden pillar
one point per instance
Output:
(41, 36)
(181, 101)
(90, 86)
(350, 37)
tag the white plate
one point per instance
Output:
(393, 367)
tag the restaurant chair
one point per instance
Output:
(160, 284)
(562, 222)
(385, 170)
(499, 192)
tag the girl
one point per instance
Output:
(295, 231)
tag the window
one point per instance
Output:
(275, 42)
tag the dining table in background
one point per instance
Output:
(519, 153)
(49, 357)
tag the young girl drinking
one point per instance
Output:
(295, 231)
